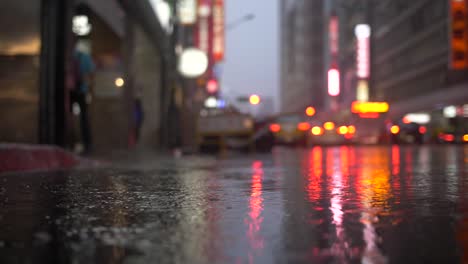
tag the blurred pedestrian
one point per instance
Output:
(139, 115)
(83, 71)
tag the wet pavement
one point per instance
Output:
(385, 204)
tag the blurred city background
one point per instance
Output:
(234, 131)
(393, 71)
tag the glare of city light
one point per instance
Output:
(193, 63)
(303, 126)
(419, 118)
(465, 138)
(369, 107)
(316, 131)
(163, 12)
(187, 12)
(119, 82)
(449, 137)
(450, 111)
(221, 103)
(329, 125)
(395, 129)
(362, 31)
(275, 128)
(342, 130)
(212, 86)
(204, 10)
(351, 129)
(422, 130)
(211, 102)
(333, 82)
(81, 25)
(310, 111)
(254, 99)
(362, 93)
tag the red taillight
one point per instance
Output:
(304, 126)
(275, 128)
(449, 138)
(422, 130)
(369, 115)
(395, 129)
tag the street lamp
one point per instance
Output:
(254, 99)
(243, 19)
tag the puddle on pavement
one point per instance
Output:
(324, 205)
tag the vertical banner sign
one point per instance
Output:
(187, 12)
(333, 31)
(203, 32)
(458, 35)
(218, 30)
(362, 32)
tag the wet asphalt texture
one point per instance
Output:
(374, 204)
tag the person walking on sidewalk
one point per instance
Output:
(81, 94)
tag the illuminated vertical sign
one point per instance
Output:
(218, 30)
(187, 11)
(458, 35)
(203, 32)
(333, 33)
(362, 93)
(333, 82)
(363, 32)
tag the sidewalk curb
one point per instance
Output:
(26, 157)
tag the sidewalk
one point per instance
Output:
(28, 157)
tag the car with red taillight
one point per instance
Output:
(290, 129)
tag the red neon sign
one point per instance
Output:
(333, 31)
(218, 30)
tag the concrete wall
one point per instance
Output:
(146, 71)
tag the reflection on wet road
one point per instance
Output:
(346, 204)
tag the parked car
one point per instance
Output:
(331, 132)
(407, 133)
(290, 129)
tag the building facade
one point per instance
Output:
(302, 60)
(411, 56)
(126, 42)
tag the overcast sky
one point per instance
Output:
(251, 64)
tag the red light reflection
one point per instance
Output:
(369, 115)
(254, 221)
(395, 160)
(315, 174)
